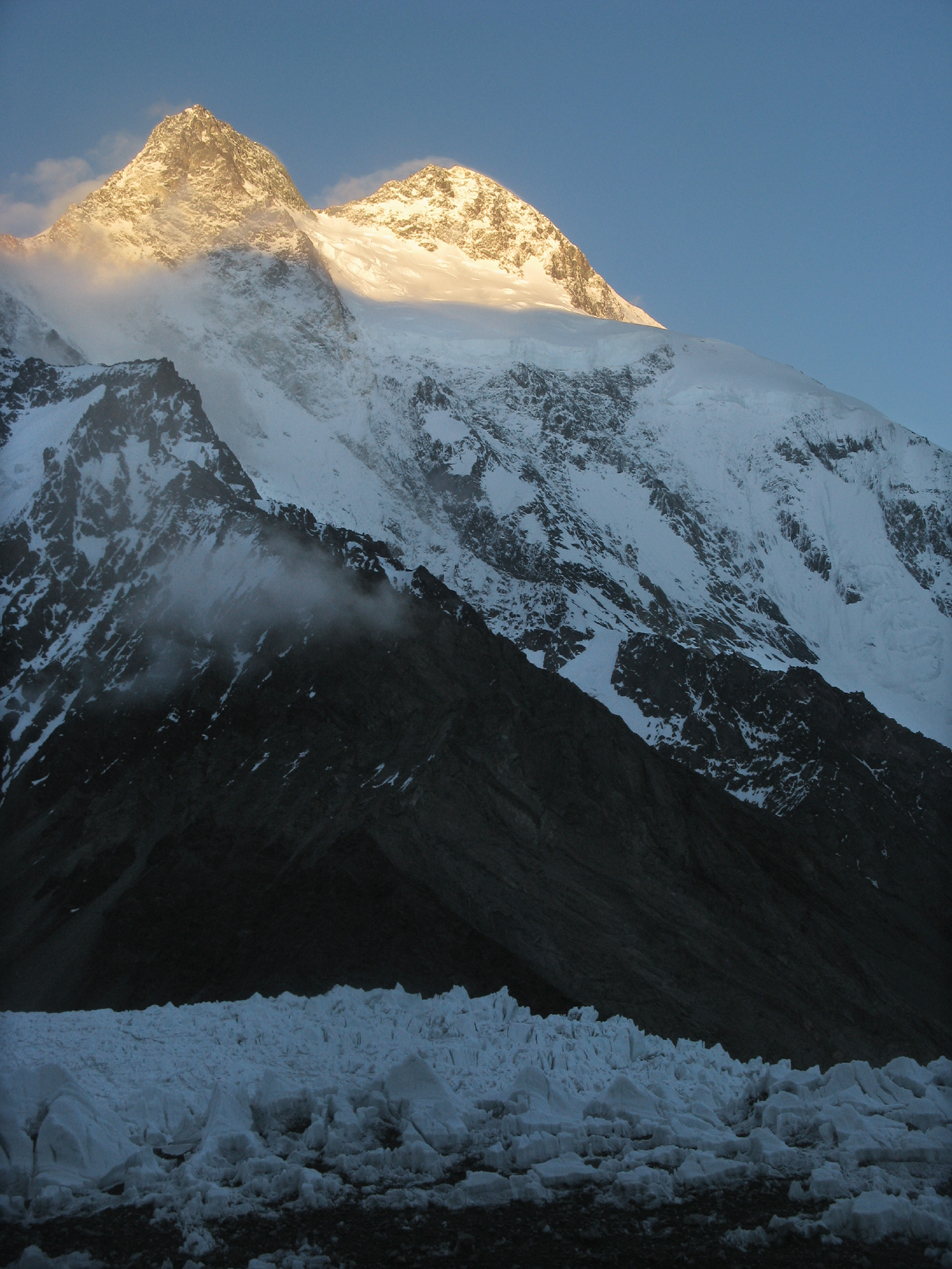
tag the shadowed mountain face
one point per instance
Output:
(430, 808)
(789, 742)
(282, 774)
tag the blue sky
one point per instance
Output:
(777, 174)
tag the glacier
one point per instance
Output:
(387, 1100)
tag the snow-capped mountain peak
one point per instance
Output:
(199, 187)
(195, 186)
(578, 482)
(465, 209)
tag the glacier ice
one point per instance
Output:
(212, 1110)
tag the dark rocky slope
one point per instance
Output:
(789, 741)
(397, 796)
(524, 831)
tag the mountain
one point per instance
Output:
(579, 481)
(238, 759)
(752, 572)
(197, 185)
(456, 208)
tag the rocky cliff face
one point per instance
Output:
(823, 760)
(238, 761)
(487, 222)
(197, 185)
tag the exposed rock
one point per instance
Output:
(875, 797)
(487, 222)
(196, 186)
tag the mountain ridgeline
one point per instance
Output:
(357, 630)
(487, 222)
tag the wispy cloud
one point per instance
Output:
(227, 597)
(32, 202)
(159, 109)
(351, 187)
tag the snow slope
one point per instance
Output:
(462, 218)
(372, 261)
(215, 1110)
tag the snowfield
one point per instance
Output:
(213, 1110)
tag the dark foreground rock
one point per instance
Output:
(245, 833)
(705, 1230)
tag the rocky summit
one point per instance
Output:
(487, 222)
(196, 185)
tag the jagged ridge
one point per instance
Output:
(458, 206)
(196, 185)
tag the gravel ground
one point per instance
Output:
(571, 1231)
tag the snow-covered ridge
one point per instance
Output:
(577, 481)
(213, 1110)
(487, 223)
(107, 475)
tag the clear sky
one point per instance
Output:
(776, 173)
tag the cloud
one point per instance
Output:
(34, 201)
(228, 597)
(351, 187)
(114, 150)
(159, 109)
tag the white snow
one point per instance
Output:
(371, 261)
(21, 458)
(222, 1108)
(324, 412)
(452, 234)
(339, 437)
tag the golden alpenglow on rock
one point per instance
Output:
(196, 185)
(486, 222)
